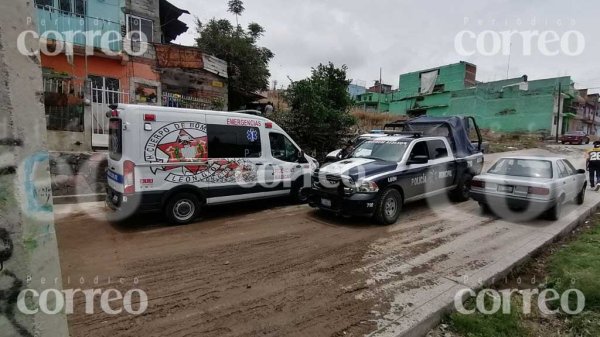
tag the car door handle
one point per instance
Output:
(258, 164)
(298, 166)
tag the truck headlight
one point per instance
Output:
(367, 187)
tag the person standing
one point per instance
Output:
(269, 109)
(593, 165)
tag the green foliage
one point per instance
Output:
(495, 325)
(236, 7)
(319, 116)
(587, 324)
(248, 64)
(577, 266)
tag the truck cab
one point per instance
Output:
(384, 173)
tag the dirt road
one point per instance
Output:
(274, 270)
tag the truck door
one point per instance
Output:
(416, 175)
(442, 169)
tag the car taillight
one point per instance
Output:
(539, 191)
(478, 183)
(129, 177)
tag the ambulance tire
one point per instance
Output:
(299, 194)
(182, 208)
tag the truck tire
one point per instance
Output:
(182, 208)
(388, 207)
(462, 191)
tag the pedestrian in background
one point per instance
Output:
(269, 109)
(593, 165)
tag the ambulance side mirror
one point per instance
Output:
(302, 158)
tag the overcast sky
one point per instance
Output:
(410, 35)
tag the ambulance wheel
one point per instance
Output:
(388, 207)
(182, 209)
(299, 193)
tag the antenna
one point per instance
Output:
(508, 66)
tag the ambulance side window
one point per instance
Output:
(282, 148)
(225, 141)
(115, 139)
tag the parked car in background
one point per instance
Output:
(575, 137)
(526, 187)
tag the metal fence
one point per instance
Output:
(63, 103)
(187, 102)
(101, 99)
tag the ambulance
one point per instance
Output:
(179, 161)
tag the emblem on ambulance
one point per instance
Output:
(180, 151)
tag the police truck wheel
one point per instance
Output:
(388, 207)
(463, 189)
(182, 209)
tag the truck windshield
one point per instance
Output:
(381, 150)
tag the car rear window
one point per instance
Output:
(115, 139)
(531, 168)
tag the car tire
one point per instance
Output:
(485, 208)
(587, 141)
(463, 189)
(182, 209)
(389, 207)
(580, 199)
(555, 212)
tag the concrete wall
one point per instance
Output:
(28, 247)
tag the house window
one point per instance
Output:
(140, 29)
(64, 5)
(80, 7)
(105, 89)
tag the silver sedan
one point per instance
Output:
(523, 188)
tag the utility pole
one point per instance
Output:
(28, 247)
(558, 109)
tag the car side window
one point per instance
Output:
(562, 169)
(570, 168)
(419, 149)
(437, 149)
(282, 148)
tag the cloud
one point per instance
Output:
(408, 35)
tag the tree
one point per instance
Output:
(248, 64)
(319, 115)
(236, 7)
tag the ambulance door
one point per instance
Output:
(236, 162)
(287, 161)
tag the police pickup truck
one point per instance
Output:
(384, 173)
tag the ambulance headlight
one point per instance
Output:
(366, 187)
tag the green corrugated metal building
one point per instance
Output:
(512, 105)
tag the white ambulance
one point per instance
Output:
(181, 160)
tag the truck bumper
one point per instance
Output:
(359, 204)
(133, 203)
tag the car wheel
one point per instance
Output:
(581, 196)
(485, 208)
(463, 189)
(555, 212)
(182, 209)
(587, 141)
(388, 207)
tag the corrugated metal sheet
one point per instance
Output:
(173, 56)
(215, 65)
